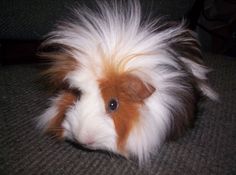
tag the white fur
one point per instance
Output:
(110, 35)
(49, 114)
(87, 120)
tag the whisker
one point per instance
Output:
(53, 137)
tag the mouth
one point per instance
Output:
(80, 146)
(89, 146)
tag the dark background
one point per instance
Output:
(23, 24)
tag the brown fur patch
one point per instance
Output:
(130, 92)
(61, 64)
(67, 99)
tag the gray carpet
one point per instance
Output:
(209, 148)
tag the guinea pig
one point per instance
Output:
(125, 83)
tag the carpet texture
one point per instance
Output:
(208, 148)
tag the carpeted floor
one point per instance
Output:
(209, 148)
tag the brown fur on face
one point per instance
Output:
(130, 93)
(67, 99)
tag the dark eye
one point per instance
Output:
(113, 105)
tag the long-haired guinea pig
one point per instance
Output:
(125, 83)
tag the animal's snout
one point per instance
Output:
(85, 139)
(88, 141)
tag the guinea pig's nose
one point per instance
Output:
(88, 140)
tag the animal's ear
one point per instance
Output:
(135, 89)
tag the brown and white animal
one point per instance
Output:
(125, 84)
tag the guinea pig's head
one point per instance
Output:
(104, 112)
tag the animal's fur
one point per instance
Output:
(154, 70)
